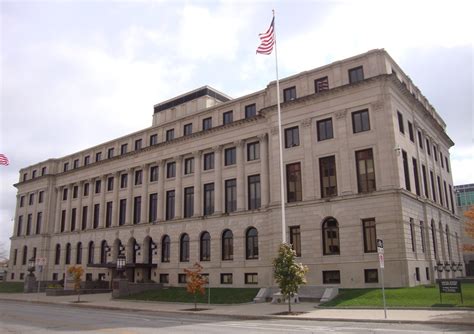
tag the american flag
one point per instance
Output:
(267, 40)
(4, 160)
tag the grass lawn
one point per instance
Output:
(11, 287)
(420, 296)
(218, 295)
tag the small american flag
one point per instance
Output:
(267, 40)
(4, 160)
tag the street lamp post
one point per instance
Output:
(120, 265)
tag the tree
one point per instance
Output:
(288, 273)
(195, 281)
(76, 273)
(469, 228)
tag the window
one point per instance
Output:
(251, 278)
(447, 164)
(85, 191)
(250, 110)
(182, 278)
(410, 132)
(57, 254)
(43, 170)
(433, 190)
(25, 176)
(360, 121)
(406, 171)
(165, 249)
(79, 253)
(28, 224)
(103, 252)
(90, 253)
(427, 271)
(138, 144)
(417, 178)
(63, 220)
(188, 202)
(425, 181)
(84, 218)
(96, 215)
(209, 161)
(33, 174)
(441, 159)
(253, 151)
(207, 123)
(123, 180)
(75, 191)
(417, 273)
(365, 171)
(412, 234)
(138, 177)
(188, 129)
(98, 156)
(110, 153)
(229, 156)
(422, 234)
(325, 129)
(97, 186)
(153, 207)
(420, 140)
(428, 149)
(19, 226)
(251, 244)
(188, 166)
(331, 277)
(171, 169)
(330, 237)
(205, 247)
(356, 74)
(227, 245)
(451, 199)
(208, 199)
(226, 278)
(294, 192)
(15, 255)
(169, 134)
(295, 239)
(65, 166)
(153, 173)
(31, 199)
(122, 211)
(289, 94)
(227, 117)
(22, 201)
(137, 209)
(39, 222)
(370, 235)
(110, 183)
(254, 195)
(75, 164)
(327, 175)
(439, 191)
(123, 149)
(371, 275)
(25, 255)
(164, 278)
(292, 137)
(230, 195)
(73, 219)
(108, 214)
(153, 139)
(400, 122)
(170, 201)
(321, 84)
(184, 248)
(435, 153)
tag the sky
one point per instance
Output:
(74, 74)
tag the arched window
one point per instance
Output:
(251, 243)
(67, 259)
(25, 255)
(205, 247)
(79, 253)
(184, 248)
(90, 255)
(165, 248)
(227, 245)
(103, 251)
(57, 254)
(330, 237)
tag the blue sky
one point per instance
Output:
(75, 74)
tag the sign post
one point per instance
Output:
(449, 286)
(382, 266)
(40, 263)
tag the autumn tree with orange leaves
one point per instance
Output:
(195, 282)
(76, 273)
(469, 229)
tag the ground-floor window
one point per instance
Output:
(331, 277)
(226, 278)
(55, 276)
(251, 278)
(182, 278)
(22, 276)
(89, 277)
(417, 274)
(371, 275)
(427, 273)
(164, 278)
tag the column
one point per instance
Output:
(57, 225)
(197, 183)
(103, 187)
(218, 198)
(35, 216)
(178, 200)
(240, 175)
(129, 215)
(115, 203)
(68, 207)
(264, 169)
(90, 211)
(161, 190)
(308, 184)
(144, 208)
(79, 208)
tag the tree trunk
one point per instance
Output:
(289, 303)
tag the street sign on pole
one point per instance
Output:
(382, 265)
(381, 261)
(380, 246)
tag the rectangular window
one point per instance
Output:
(98, 156)
(108, 215)
(188, 202)
(122, 211)
(169, 134)
(371, 275)
(137, 209)
(20, 226)
(97, 186)
(295, 239)
(441, 159)
(227, 117)
(428, 149)
(75, 165)
(207, 123)
(87, 160)
(420, 140)
(65, 194)
(138, 177)
(412, 234)
(427, 271)
(356, 74)
(28, 224)
(65, 166)
(31, 199)
(153, 207)
(123, 149)
(43, 171)
(331, 277)
(410, 132)
(401, 126)
(153, 139)
(417, 274)
(292, 137)
(365, 171)
(171, 169)
(73, 219)
(75, 191)
(230, 195)
(226, 278)
(289, 94)
(439, 191)
(417, 178)
(325, 129)
(327, 174)
(451, 199)
(39, 222)
(447, 164)
(188, 166)
(254, 196)
(209, 161)
(250, 110)
(230, 156)
(251, 278)
(110, 183)
(138, 144)
(188, 129)
(123, 180)
(360, 121)
(25, 175)
(433, 190)
(321, 84)
(85, 191)
(425, 181)
(153, 173)
(15, 258)
(406, 172)
(41, 197)
(435, 153)
(422, 234)
(182, 279)
(370, 235)
(164, 278)
(96, 215)
(170, 201)
(22, 201)
(294, 190)
(253, 151)
(84, 218)
(208, 199)
(110, 153)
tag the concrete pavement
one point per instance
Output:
(307, 311)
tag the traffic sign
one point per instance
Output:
(41, 261)
(381, 260)
(380, 246)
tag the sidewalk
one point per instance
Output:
(259, 311)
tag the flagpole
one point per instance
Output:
(280, 141)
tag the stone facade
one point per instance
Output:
(365, 102)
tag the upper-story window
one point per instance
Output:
(153, 140)
(209, 161)
(138, 177)
(227, 117)
(401, 126)
(360, 121)
(25, 175)
(188, 129)
(75, 191)
(250, 110)
(171, 169)
(207, 123)
(123, 148)
(98, 156)
(325, 129)
(188, 166)
(230, 156)
(253, 151)
(420, 140)
(43, 171)
(41, 197)
(138, 144)
(123, 180)
(294, 190)
(289, 94)
(153, 173)
(321, 84)
(435, 153)
(110, 153)
(22, 201)
(66, 166)
(428, 149)
(169, 134)
(410, 131)
(75, 164)
(356, 74)
(97, 186)
(292, 137)
(365, 171)
(110, 183)
(87, 160)
(31, 199)
(33, 174)
(64, 194)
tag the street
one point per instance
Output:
(20, 317)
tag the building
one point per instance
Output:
(465, 199)
(366, 156)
